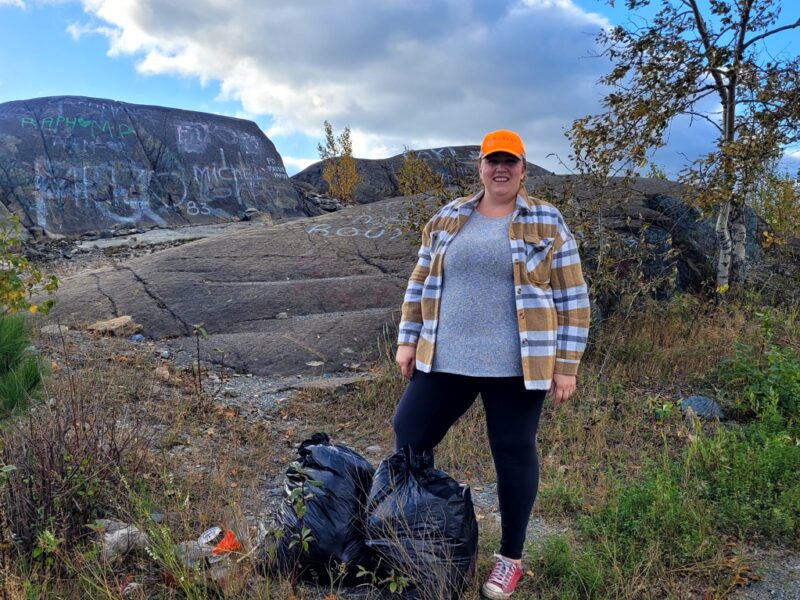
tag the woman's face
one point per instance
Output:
(501, 174)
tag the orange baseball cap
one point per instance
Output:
(502, 140)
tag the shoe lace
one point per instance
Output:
(503, 571)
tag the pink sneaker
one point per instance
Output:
(502, 580)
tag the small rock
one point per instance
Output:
(118, 326)
(136, 337)
(373, 449)
(54, 330)
(165, 354)
(703, 406)
(156, 517)
(230, 393)
(162, 373)
(282, 315)
(315, 363)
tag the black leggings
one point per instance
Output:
(434, 401)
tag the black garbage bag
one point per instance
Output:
(322, 516)
(421, 524)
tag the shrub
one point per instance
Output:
(70, 458)
(19, 279)
(416, 176)
(339, 171)
(760, 375)
(20, 372)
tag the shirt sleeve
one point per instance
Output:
(571, 299)
(411, 314)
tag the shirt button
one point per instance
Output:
(519, 291)
(524, 342)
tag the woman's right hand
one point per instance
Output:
(406, 358)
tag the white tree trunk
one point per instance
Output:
(738, 229)
(725, 246)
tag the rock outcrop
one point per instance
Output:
(314, 295)
(379, 177)
(70, 164)
(306, 296)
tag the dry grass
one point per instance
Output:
(207, 463)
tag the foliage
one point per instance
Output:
(760, 378)
(749, 475)
(20, 369)
(69, 457)
(416, 176)
(656, 172)
(775, 197)
(19, 278)
(664, 67)
(339, 171)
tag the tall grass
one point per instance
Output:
(20, 369)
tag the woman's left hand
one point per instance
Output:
(562, 387)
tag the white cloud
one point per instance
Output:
(17, 3)
(295, 165)
(397, 72)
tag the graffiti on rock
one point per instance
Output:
(368, 226)
(444, 154)
(195, 138)
(245, 184)
(135, 191)
(120, 193)
(69, 125)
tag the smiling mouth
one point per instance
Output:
(500, 179)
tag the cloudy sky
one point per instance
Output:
(397, 72)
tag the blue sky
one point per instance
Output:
(398, 72)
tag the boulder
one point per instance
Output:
(54, 330)
(123, 325)
(70, 165)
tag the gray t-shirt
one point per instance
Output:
(477, 333)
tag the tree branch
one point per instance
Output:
(705, 117)
(701, 28)
(769, 33)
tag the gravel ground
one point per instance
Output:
(780, 576)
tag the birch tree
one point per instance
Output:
(675, 63)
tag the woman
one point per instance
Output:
(495, 306)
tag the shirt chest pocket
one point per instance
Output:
(437, 239)
(538, 258)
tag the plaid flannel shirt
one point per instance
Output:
(552, 300)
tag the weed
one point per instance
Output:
(20, 369)
(761, 375)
